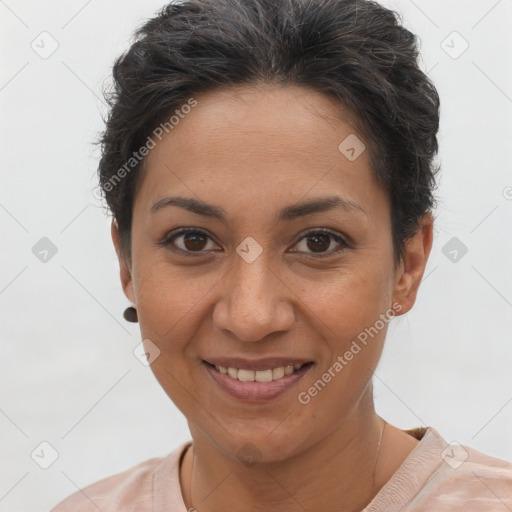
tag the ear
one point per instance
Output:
(412, 267)
(125, 270)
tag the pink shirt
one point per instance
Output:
(435, 477)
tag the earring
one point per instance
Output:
(130, 314)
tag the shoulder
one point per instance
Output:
(463, 477)
(129, 490)
(446, 477)
(470, 477)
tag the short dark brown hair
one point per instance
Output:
(355, 50)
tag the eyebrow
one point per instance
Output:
(287, 213)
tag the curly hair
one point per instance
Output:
(355, 50)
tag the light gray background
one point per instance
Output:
(68, 374)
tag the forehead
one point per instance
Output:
(275, 141)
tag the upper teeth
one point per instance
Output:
(258, 375)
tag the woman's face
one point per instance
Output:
(256, 286)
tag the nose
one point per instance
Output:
(254, 301)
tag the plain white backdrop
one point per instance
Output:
(68, 374)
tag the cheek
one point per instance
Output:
(169, 296)
(349, 300)
(354, 320)
(171, 309)
(352, 311)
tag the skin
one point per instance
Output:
(253, 150)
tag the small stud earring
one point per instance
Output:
(130, 314)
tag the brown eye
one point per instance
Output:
(189, 241)
(319, 242)
(194, 242)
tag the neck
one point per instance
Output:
(338, 473)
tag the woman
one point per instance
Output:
(270, 171)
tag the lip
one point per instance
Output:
(255, 392)
(255, 364)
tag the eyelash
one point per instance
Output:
(168, 240)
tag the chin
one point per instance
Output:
(263, 448)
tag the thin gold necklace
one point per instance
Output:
(378, 452)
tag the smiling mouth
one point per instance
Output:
(268, 375)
